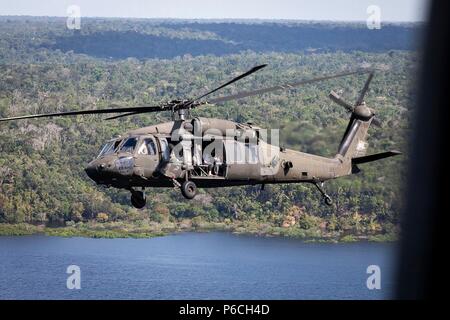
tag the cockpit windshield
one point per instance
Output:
(106, 149)
(109, 147)
(129, 145)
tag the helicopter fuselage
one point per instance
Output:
(208, 152)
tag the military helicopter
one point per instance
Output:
(190, 153)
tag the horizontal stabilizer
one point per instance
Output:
(374, 157)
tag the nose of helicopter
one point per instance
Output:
(105, 169)
(92, 171)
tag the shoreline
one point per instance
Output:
(121, 230)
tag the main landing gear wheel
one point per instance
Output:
(188, 189)
(138, 199)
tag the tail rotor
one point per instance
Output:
(359, 108)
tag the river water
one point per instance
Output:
(192, 266)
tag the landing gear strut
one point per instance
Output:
(138, 199)
(188, 189)
(326, 197)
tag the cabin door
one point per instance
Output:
(242, 160)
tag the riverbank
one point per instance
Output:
(152, 229)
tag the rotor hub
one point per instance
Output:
(363, 112)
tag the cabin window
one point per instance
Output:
(165, 149)
(129, 145)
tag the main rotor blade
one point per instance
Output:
(364, 90)
(252, 70)
(139, 109)
(285, 86)
(123, 115)
(336, 98)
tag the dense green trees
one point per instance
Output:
(41, 163)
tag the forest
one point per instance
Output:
(44, 67)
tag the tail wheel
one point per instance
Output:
(328, 200)
(138, 199)
(188, 189)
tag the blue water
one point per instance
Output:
(192, 266)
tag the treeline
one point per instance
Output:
(141, 39)
(235, 38)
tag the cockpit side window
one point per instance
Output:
(129, 145)
(116, 144)
(143, 149)
(148, 147)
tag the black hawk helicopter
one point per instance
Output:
(208, 153)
